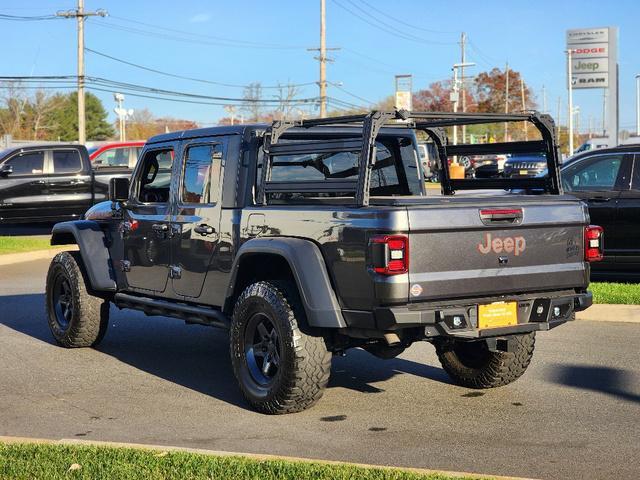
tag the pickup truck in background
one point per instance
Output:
(51, 183)
(308, 238)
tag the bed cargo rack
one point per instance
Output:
(432, 123)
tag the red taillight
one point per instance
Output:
(390, 254)
(593, 243)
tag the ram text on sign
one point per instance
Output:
(590, 80)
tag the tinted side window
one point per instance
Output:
(593, 174)
(314, 167)
(29, 163)
(66, 161)
(635, 181)
(155, 176)
(114, 157)
(201, 175)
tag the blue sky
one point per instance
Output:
(268, 41)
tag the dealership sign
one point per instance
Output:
(594, 64)
(590, 57)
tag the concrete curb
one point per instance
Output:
(11, 258)
(611, 313)
(253, 456)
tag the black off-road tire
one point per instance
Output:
(304, 361)
(87, 315)
(473, 365)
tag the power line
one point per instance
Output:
(105, 83)
(384, 26)
(386, 15)
(189, 37)
(210, 82)
(23, 18)
(339, 87)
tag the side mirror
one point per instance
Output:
(119, 189)
(6, 170)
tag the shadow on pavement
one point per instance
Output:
(612, 381)
(194, 356)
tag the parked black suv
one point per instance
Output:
(308, 238)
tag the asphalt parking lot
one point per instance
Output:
(575, 413)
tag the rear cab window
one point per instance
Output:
(66, 161)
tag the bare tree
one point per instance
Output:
(252, 103)
(14, 101)
(286, 94)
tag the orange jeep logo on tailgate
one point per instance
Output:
(515, 245)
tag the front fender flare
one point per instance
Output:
(310, 274)
(94, 250)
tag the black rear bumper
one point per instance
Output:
(537, 311)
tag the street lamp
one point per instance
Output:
(454, 94)
(570, 89)
(122, 113)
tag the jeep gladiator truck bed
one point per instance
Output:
(308, 238)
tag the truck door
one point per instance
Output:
(628, 224)
(69, 183)
(23, 187)
(147, 221)
(197, 222)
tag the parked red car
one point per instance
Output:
(116, 154)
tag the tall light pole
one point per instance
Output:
(122, 113)
(455, 93)
(80, 15)
(638, 105)
(570, 89)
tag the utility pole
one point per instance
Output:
(558, 117)
(231, 110)
(463, 41)
(80, 15)
(524, 124)
(322, 59)
(456, 93)
(604, 112)
(506, 102)
(638, 105)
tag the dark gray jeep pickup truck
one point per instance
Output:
(305, 239)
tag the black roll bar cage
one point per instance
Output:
(432, 123)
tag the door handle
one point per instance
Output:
(600, 199)
(204, 229)
(160, 227)
(40, 182)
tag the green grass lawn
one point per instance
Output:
(23, 244)
(44, 462)
(604, 292)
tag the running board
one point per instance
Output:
(188, 313)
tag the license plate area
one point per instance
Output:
(524, 172)
(496, 315)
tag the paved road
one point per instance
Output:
(575, 414)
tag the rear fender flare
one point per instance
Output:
(310, 274)
(94, 250)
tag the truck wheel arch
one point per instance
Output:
(94, 251)
(308, 270)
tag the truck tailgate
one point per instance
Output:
(469, 250)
